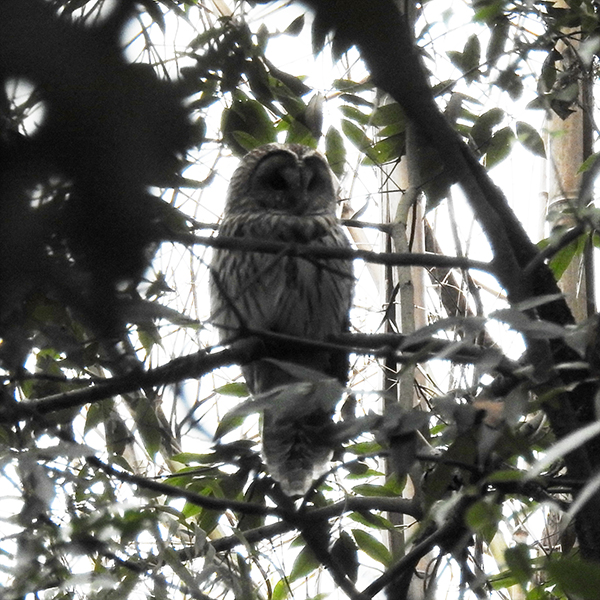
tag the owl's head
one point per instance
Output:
(283, 178)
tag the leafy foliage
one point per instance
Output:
(127, 468)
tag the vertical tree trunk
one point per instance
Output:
(406, 313)
(569, 144)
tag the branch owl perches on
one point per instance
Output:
(287, 193)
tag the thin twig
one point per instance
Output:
(408, 560)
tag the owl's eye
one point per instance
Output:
(315, 182)
(316, 175)
(276, 181)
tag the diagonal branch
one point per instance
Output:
(174, 492)
(386, 43)
(186, 367)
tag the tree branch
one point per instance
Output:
(193, 366)
(313, 251)
(186, 367)
(360, 504)
(407, 562)
(210, 502)
(396, 347)
(386, 43)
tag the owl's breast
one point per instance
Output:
(300, 296)
(283, 227)
(302, 230)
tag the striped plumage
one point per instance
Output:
(286, 193)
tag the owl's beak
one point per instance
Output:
(297, 192)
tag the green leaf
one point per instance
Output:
(347, 85)
(464, 450)
(148, 425)
(357, 100)
(390, 148)
(487, 12)
(589, 162)
(246, 141)
(360, 470)
(351, 112)
(504, 580)
(483, 517)
(295, 27)
(149, 336)
(530, 139)
(468, 60)
(357, 136)
(518, 561)
(155, 11)
(368, 489)
(372, 547)
(369, 519)
(199, 487)
(237, 390)
(209, 519)
(306, 562)
(388, 114)
(192, 457)
(335, 151)
(312, 117)
(345, 553)
(247, 125)
(500, 146)
(562, 259)
(256, 493)
(298, 133)
(510, 82)
(296, 87)
(498, 38)
(281, 589)
(362, 448)
(228, 423)
(393, 485)
(97, 414)
(548, 74)
(471, 58)
(481, 132)
(576, 576)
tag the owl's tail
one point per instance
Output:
(297, 450)
(298, 427)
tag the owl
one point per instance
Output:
(287, 193)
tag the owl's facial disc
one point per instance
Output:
(283, 182)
